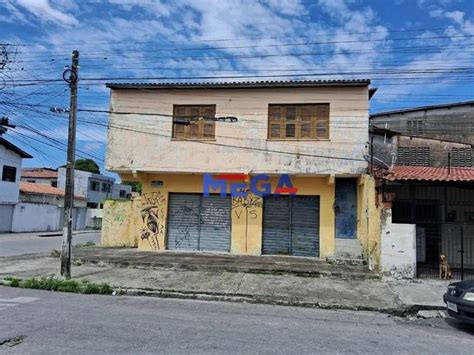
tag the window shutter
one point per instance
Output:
(306, 120)
(276, 121)
(322, 121)
(198, 127)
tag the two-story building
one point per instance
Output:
(301, 144)
(96, 188)
(10, 167)
(45, 176)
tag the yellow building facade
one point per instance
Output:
(172, 212)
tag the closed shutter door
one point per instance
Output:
(305, 226)
(215, 223)
(183, 221)
(291, 225)
(196, 222)
(276, 225)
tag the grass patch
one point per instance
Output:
(90, 243)
(52, 284)
(55, 253)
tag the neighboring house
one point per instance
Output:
(121, 191)
(41, 209)
(316, 132)
(94, 187)
(428, 186)
(430, 206)
(10, 167)
(45, 176)
(450, 122)
(393, 148)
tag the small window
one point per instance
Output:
(54, 183)
(104, 187)
(95, 186)
(417, 156)
(9, 173)
(122, 193)
(415, 127)
(300, 121)
(462, 157)
(200, 119)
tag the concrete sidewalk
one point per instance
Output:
(287, 289)
(202, 261)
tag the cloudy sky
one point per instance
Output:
(417, 52)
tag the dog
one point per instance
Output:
(444, 269)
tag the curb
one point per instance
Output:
(275, 271)
(401, 311)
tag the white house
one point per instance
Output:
(10, 168)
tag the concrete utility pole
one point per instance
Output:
(66, 249)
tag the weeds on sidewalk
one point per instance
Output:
(90, 243)
(52, 284)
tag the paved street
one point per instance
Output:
(27, 243)
(59, 322)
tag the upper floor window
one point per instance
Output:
(95, 186)
(300, 121)
(415, 127)
(414, 156)
(54, 183)
(9, 173)
(198, 127)
(462, 157)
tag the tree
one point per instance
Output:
(87, 165)
(136, 185)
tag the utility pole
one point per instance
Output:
(71, 76)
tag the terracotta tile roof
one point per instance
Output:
(43, 189)
(428, 173)
(39, 173)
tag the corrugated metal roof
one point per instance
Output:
(43, 189)
(242, 84)
(423, 108)
(428, 173)
(14, 148)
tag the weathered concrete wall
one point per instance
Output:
(438, 149)
(247, 214)
(9, 190)
(6, 216)
(35, 217)
(438, 123)
(240, 147)
(120, 226)
(398, 248)
(38, 217)
(368, 221)
(94, 218)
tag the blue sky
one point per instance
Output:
(417, 52)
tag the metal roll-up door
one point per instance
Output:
(196, 222)
(215, 230)
(305, 226)
(276, 225)
(291, 225)
(184, 218)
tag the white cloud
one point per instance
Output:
(42, 10)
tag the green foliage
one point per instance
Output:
(90, 243)
(55, 253)
(14, 282)
(136, 185)
(52, 284)
(87, 165)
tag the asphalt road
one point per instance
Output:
(57, 322)
(28, 243)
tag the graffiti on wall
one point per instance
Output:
(245, 208)
(153, 217)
